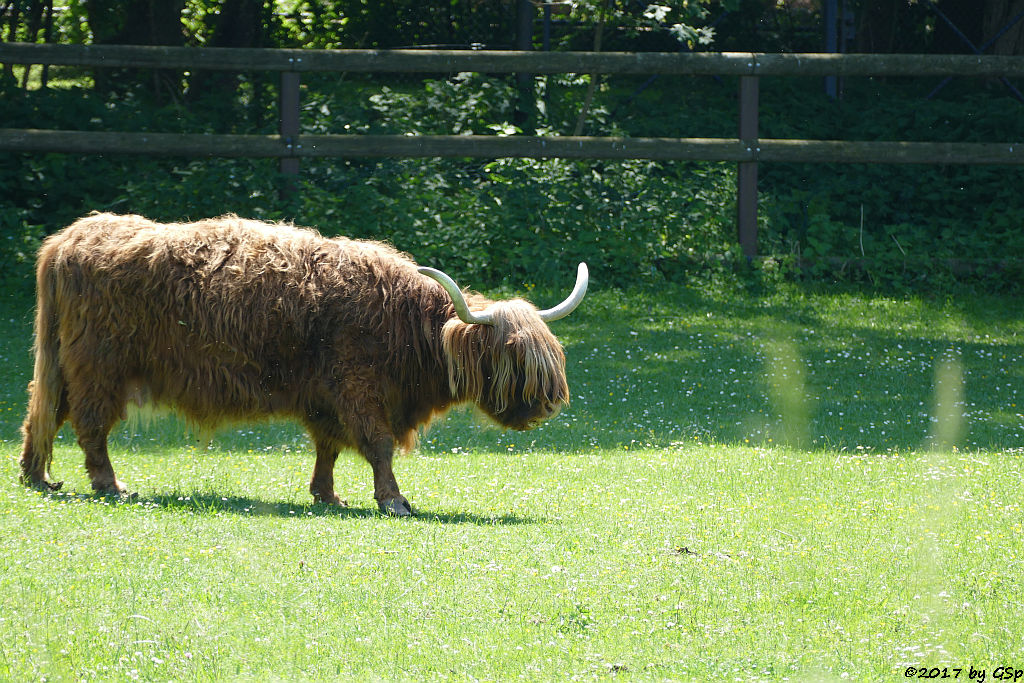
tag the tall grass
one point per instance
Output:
(744, 487)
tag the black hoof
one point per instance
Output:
(42, 484)
(396, 508)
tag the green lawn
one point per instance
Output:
(787, 486)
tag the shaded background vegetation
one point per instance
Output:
(521, 221)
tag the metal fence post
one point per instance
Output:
(289, 128)
(746, 179)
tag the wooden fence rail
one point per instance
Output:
(747, 150)
(496, 61)
(518, 146)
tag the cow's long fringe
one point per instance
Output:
(516, 359)
(47, 385)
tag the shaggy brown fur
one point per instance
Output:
(230, 319)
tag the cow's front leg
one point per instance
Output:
(322, 483)
(385, 489)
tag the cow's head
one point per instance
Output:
(504, 358)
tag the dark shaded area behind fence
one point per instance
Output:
(747, 149)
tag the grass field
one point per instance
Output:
(789, 486)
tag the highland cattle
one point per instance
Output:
(230, 319)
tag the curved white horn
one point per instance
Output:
(569, 305)
(461, 307)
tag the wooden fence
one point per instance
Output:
(747, 149)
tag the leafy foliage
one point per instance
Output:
(526, 218)
(922, 226)
(522, 220)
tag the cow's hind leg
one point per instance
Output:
(97, 462)
(93, 416)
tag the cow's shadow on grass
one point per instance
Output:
(212, 504)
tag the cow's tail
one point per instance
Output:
(46, 390)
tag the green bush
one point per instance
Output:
(522, 220)
(525, 219)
